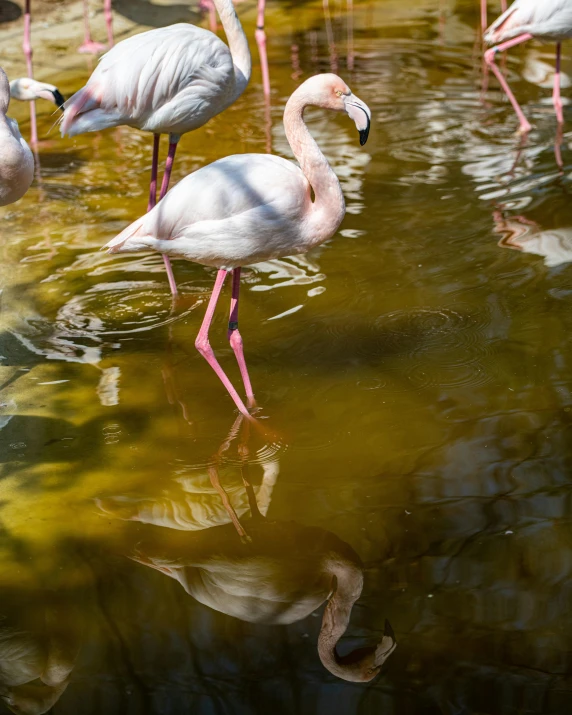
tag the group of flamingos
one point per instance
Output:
(245, 208)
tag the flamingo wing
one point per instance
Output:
(168, 80)
(235, 211)
(550, 19)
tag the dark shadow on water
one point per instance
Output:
(145, 12)
(9, 11)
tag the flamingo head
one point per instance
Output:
(27, 90)
(332, 92)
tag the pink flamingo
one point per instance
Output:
(248, 208)
(88, 46)
(484, 22)
(16, 158)
(525, 19)
(171, 80)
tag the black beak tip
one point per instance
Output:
(388, 630)
(363, 135)
(59, 98)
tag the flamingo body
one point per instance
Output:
(16, 158)
(229, 214)
(543, 19)
(168, 81)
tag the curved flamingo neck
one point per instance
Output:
(238, 44)
(328, 208)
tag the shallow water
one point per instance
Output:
(415, 391)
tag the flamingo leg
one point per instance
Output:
(556, 92)
(174, 140)
(89, 47)
(203, 345)
(503, 5)
(215, 481)
(154, 169)
(490, 56)
(484, 22)
(108, 22)
(27, 47)
(235, 337)
(260, 36)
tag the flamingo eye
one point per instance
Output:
(339, 92)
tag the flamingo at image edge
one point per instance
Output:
(171, 80)
(16, 158)
(524, 20)
(248, 208)
(88, 46)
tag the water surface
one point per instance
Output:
(414, 382)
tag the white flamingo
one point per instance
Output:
(524, 20)
(248, 208)
(171, 80)
(16, 158)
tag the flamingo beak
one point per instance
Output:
(51, 95)
(59, 98)
(361, 114)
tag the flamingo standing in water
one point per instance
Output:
(248, 208)
(88, 46)
(171, 80)
(524, 20)
(16, 158)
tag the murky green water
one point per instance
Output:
(415, 382)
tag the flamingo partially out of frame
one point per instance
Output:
(248, 208)
(484, 21)
(88, 46)
(27, 89)
(524, 20)
(16, 158)
(171, 80)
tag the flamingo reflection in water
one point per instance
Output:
(525, 20)
(522, 234)
(40, 641)
(232, 558)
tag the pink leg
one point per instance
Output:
(27, 47)
(89, 46)
(490, 60)
(484, 15)
(203, 346)
(260, 35)
(154, 168)
(556, 93)
(235, 337)
(503, 5)
(164, 187)
(108, 22)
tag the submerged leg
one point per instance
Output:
(203, 346)
(235, 337)
(260, 35)
(490, 56)
(556, 92)
(108, 22)
(27, 47)
(89, 47)
(215, 481)
(173, 141)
